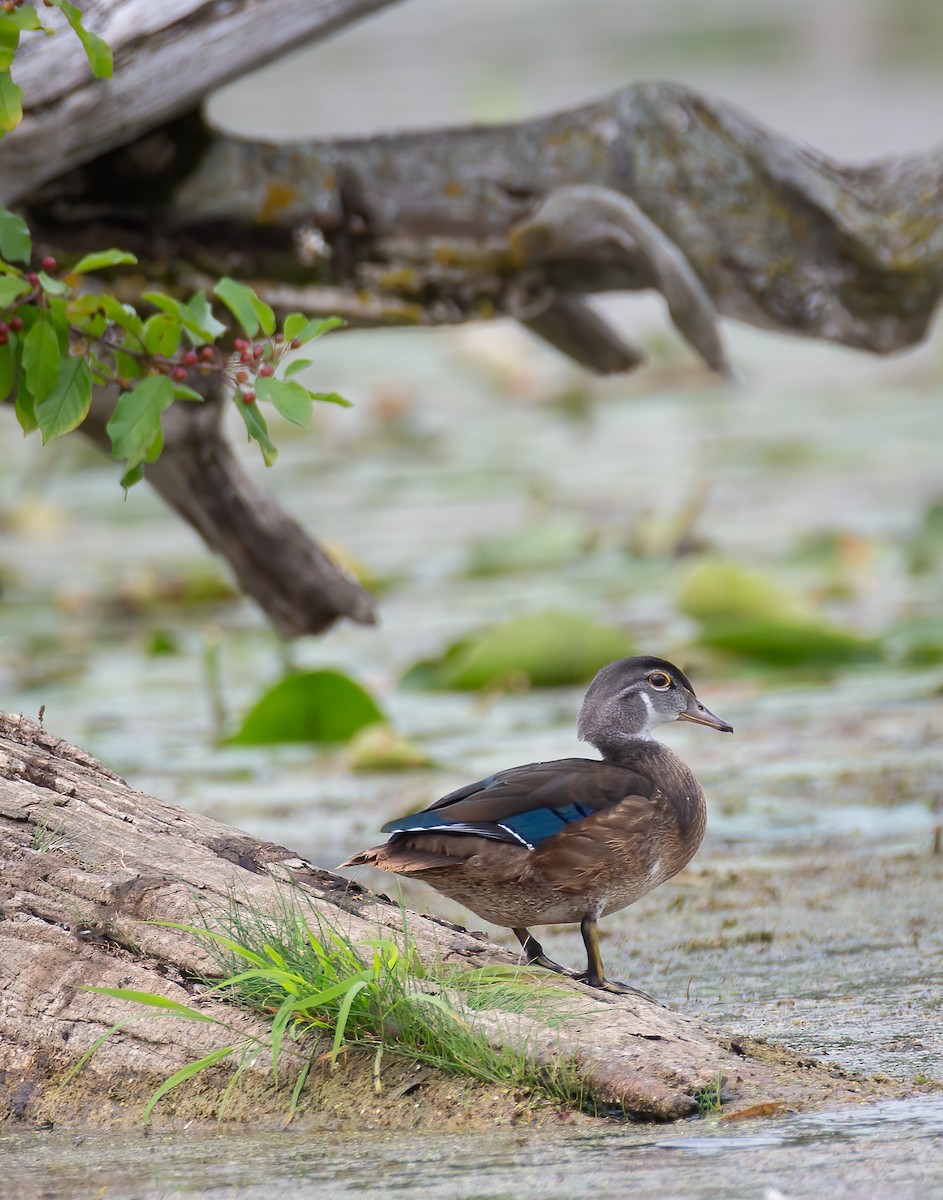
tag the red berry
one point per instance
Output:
(207, 353)
(257, 350)
(190, 358)
(242, 376)
(295, 343)
(266, 369)
(245, 357)
(248, 397)
(3, 338)
(33, 279)
(180, 374)
(49, 263)
(4, 327)
(241, 344)
(278, 338)
(16, 324)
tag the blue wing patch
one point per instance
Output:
(527, 828)
(539, 824)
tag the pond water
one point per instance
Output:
(879, 1150)
(812, 913)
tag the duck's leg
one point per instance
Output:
(594, 974)
(534, 952)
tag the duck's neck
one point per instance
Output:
(672, 776)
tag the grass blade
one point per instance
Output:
(183, 1075)
(153, 1000)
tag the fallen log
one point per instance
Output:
(88, 866)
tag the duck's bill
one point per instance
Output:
(700, 715)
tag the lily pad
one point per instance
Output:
(917, 642)
(549, 545)
(745, 614)
(381, 748)
(310, 706)
(547, 649)
(719, 591)
(790, 643)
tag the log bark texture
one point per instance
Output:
(167, 57)
(88, 864)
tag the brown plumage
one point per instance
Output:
(574, 839)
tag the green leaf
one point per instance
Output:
(184, 1074)
(296, 365)
(25, 408)
(134, 427)
(7, 371)
(291, 399)
(100, 259)
(299, 327)
(312, 706)
(202, 312)
(198, 332)
(53, 287)
(265, 314)
(161, 334)
(331, 398)
(97, 51)
(66, 405)
(130, 478)
(15, 242)
(25, 19)
(182, 392)
(127, 366)
(11, 102)
(257, 430)
(89, 304)
(546, 649)
(41, 358)
(11, 288)
(243, 303)
(9, 40)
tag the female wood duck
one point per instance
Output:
(571, 840)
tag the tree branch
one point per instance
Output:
(654, 187)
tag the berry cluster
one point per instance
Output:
(14, 325)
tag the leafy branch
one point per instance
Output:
(62, 334)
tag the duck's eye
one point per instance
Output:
(659, 680)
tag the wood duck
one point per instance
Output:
(575, 839)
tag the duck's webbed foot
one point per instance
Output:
(613, 985)
(594, 975)
(534, 953)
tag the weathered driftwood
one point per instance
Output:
(167, 57)
(88, 864)
(654, 187)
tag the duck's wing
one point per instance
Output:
(527, 805)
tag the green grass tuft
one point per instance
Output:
(319, 988)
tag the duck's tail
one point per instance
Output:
(400, 858)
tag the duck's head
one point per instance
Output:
(628, 698)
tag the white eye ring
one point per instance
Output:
(660, 681)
